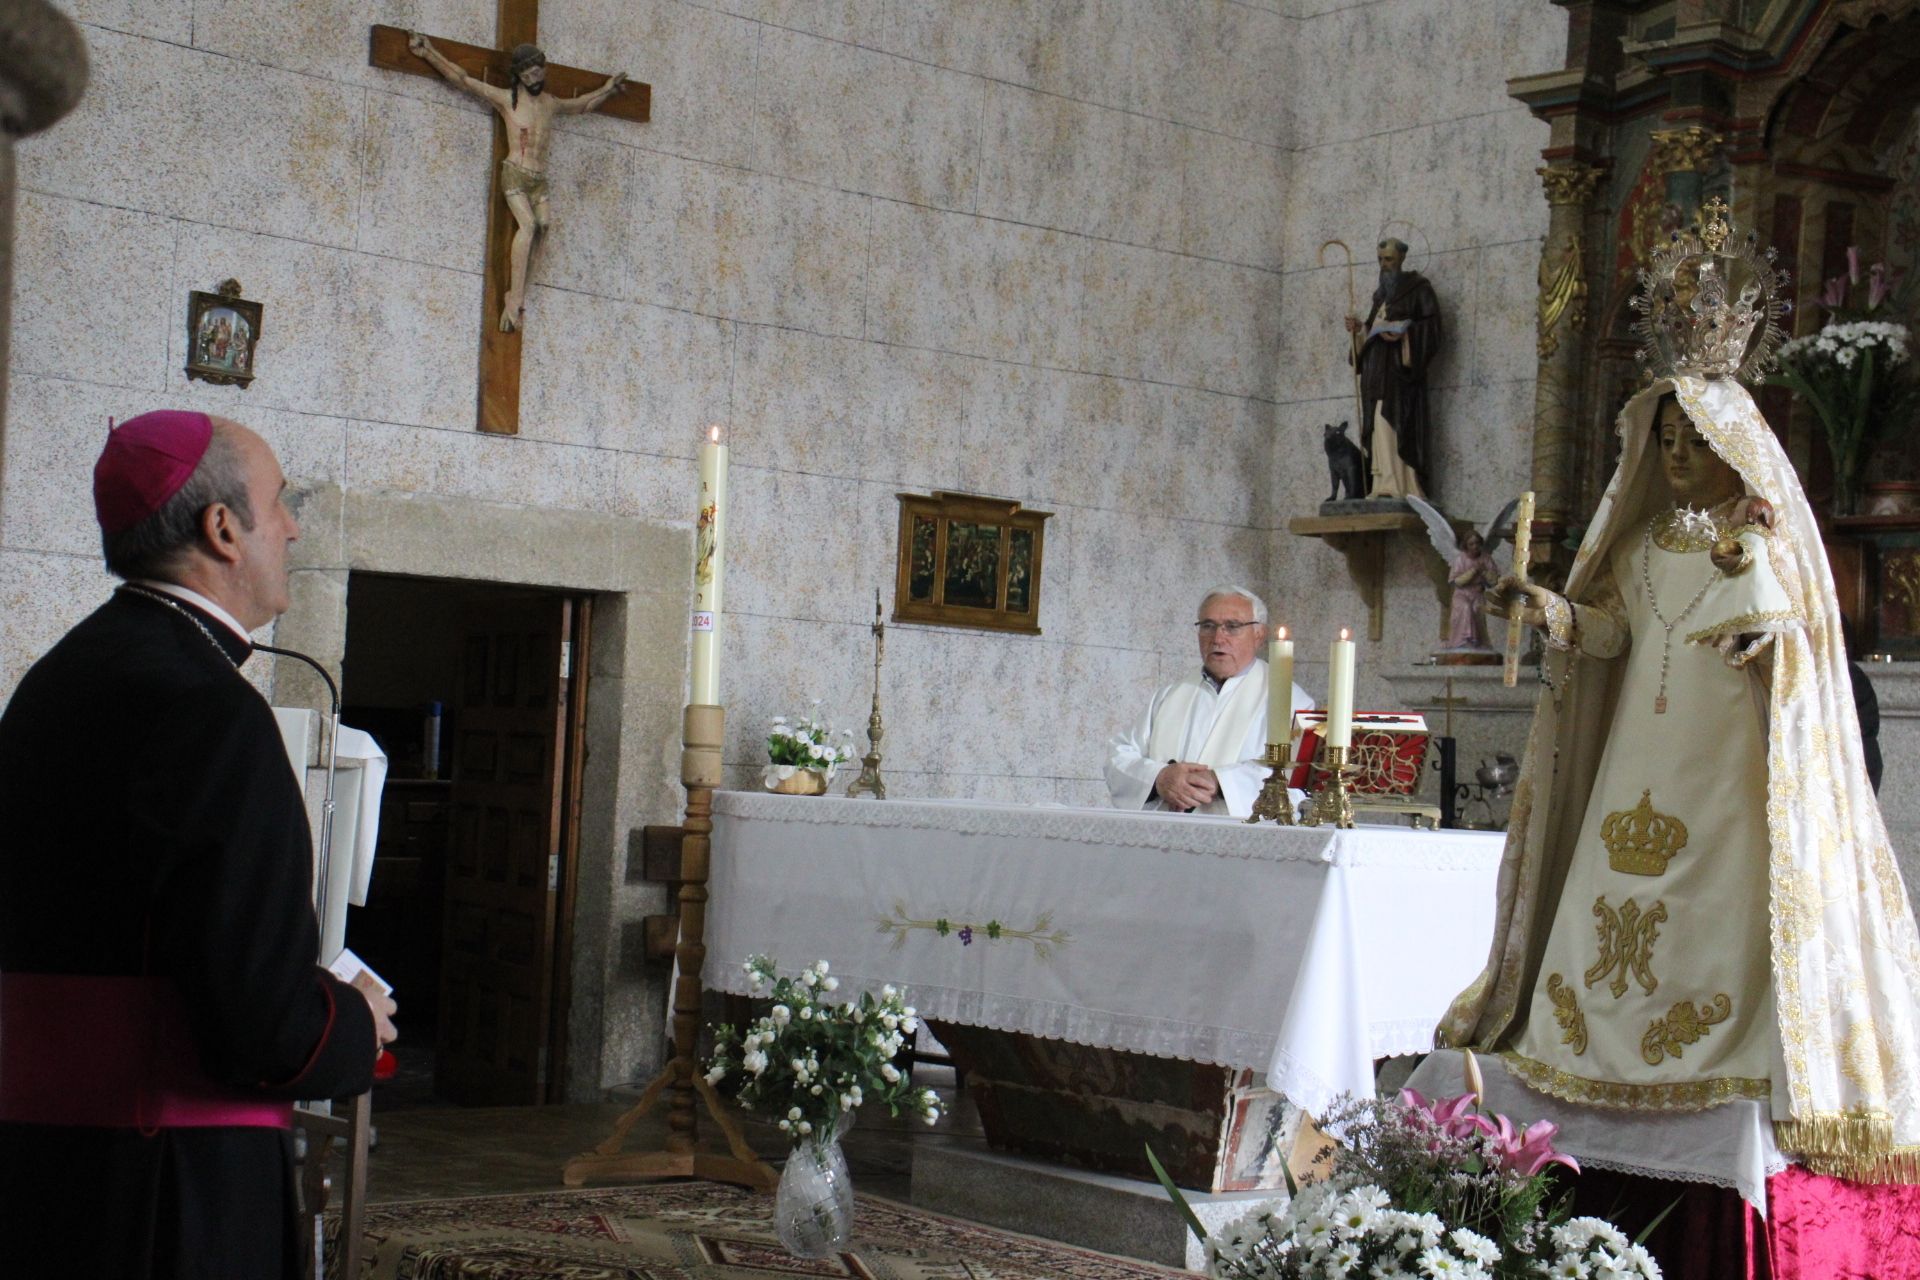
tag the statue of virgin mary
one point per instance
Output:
(1698, 900)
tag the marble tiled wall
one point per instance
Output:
(1026, 248)
(1407, 127)
(1062, 251)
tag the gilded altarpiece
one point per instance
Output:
(1805, 116)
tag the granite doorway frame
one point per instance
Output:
(639, 574)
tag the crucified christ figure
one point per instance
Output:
(528, 114)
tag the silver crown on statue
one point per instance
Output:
(1692, 322)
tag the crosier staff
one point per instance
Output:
(1353, 334)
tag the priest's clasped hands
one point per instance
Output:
(1186, 786)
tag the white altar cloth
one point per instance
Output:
(1304, 952)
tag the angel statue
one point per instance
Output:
(1470, 571)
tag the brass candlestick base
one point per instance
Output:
(1333, 803)
(1274, 803)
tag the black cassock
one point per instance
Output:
(150, 825)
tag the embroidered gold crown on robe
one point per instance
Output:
(1641, 841)
(1691, 320)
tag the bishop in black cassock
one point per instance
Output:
(160, 997)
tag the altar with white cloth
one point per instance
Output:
(1306, 953)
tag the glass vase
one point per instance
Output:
(813, 1206)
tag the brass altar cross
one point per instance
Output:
(518, 22)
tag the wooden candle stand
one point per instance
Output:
(703, 731)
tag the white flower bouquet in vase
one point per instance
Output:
(809, 1063)
(803, 754)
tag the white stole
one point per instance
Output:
(1233, 719)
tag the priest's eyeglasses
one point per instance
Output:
(1232, 629)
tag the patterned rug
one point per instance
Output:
(695, 1231)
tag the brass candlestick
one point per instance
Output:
(1333, 803)
(869, 779)
(1274, 802)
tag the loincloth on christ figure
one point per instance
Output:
(518, 180)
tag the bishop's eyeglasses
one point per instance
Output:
(1208, 627)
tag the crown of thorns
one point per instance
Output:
(525, 58)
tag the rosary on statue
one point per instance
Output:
(1681, 517)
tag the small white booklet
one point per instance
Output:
(353, 971)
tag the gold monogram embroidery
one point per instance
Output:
(1626, 944)
(1684, 1025)
(1641, 841)
(1566, 1012)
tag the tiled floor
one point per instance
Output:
(440, 1151)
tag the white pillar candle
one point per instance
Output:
(1340, 692)
(1279, 689)
(709, 562)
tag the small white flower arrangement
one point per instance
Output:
(1327, 1231)
(805, 743)
(813, 1062)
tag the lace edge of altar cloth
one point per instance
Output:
(1126, 1033)
(1382, 846)
(1729, 1145)
(1052, 1020)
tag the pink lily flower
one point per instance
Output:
(1835, 295)
(1527, 1153)
(1452, 1116)
(1853, 263)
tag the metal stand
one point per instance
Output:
(1333, 803)
(869, 780)
(1274, 803)
(316, 1116)
(703, 731)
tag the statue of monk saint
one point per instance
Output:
(528, 113)
(1391, 350)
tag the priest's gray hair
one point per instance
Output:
(1259, 605)
(154, 547)
(1398, 246)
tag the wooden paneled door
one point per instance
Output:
(512, 841)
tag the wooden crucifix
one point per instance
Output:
(528, 91)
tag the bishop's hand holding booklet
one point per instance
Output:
(356, 973)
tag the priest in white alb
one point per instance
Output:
(1197, 747)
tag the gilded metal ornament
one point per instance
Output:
(1563, 293)
(1333, 803)
(1274, 802)
(1688, 150)
(1569, 184)
(1710, 302)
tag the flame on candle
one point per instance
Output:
(1345, 634)
(1282, 634)
(713, 433)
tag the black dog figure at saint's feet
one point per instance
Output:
(1346, 464)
